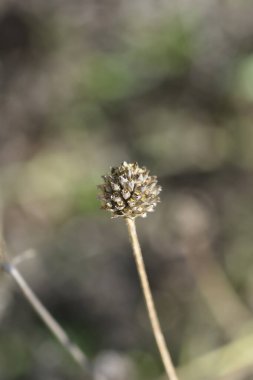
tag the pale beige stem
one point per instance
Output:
(164, 352)
(49, 321)
(9, 267)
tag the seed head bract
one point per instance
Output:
(129, 191)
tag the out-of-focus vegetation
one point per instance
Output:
(85, 86)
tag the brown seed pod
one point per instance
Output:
(129, 191)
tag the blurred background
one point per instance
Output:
(85, 85)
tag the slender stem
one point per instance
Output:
(163, 349)
(49, 321)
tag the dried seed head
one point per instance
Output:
(129, 191)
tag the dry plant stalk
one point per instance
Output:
(73, 350)
(195, 223)
(166, 358)
(129, 191)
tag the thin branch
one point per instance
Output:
(163, 349)
(26, 255)
(74, 351)
(214, 287)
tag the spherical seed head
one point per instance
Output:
(129, 191)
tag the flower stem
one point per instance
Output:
(43, 313)
(162, 347)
